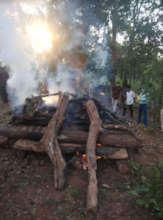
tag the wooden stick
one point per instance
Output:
(94, 129)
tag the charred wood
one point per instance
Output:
(19, 132)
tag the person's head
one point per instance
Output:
(143, 90)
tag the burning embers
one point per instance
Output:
(84, 161)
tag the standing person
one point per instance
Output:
(130, 99)
(115, 96)
(143, 99)
(4, 76)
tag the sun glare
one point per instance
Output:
(40, 37)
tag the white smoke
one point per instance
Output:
(16, 52)
(64, 80)
(26, 69)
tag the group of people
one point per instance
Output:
(124, 98)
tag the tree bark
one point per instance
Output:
(114, 16)
(50, 143)
(94, 129)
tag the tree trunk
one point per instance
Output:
(114, 14)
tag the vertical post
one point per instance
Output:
(92, 194)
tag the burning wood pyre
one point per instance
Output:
(78, 125)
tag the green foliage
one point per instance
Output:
(149, 190)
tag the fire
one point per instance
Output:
(51, 100)
(102, 93)
(40, 36)
(84, 161)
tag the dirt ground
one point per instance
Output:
(27, 191)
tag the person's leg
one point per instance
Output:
(145, 114)
(124, 110)
(131, 111)
(139, 113)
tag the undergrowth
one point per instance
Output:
(147, 187)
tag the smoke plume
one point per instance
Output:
(80, 48)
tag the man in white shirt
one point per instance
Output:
(130, 99)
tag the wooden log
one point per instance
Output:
(114, 138)
(124, 128)
(117, 126)
(50, 143)
(106, 138)
(107, 152)
(118, 140)
(94, 129)
(32, 120)
(120, 154)
(21, 132)
(28, 145)
(73, 136)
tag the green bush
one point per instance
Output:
(149, 190)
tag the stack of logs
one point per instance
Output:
(111, 141)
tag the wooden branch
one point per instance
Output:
(50, 144)
(94, 129)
